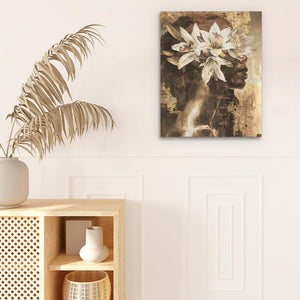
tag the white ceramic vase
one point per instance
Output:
(14, 182)
(94, 251)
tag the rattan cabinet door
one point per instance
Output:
(19, 258)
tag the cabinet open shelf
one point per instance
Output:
(64, 262)
(41, 225)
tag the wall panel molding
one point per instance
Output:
(111, 175)
(224, 229)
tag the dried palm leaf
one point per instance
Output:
(45, 120)
(66, 121)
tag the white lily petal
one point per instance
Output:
(219, 73)
(207, 71)
(186, 59)
(196, 33)
(201, 47)
(181, 47)
(214, 29)
(226, 33)
(198, 52)
(222, 61)
(215, 52)
(212, 67)
(186, 36)
(205, 36)
(228, 46)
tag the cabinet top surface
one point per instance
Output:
(66, 207)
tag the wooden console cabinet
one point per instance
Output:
(33, 262)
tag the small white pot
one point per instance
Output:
(14, 182)
(94, 251)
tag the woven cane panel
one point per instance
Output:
(19, 258)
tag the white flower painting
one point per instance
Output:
(206, 60)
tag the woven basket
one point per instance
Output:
(87, 285)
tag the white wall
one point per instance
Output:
(174, 238)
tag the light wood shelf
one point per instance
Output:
(43, 222)
(64, 262)
(66, 207)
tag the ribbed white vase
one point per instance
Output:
(94, 251)
(14, 182)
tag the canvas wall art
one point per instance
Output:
(211, 74)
